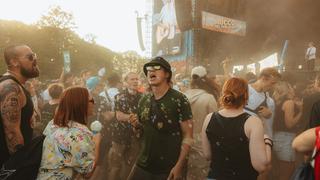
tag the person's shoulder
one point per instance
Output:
(120, 95)
(175, 93)
(9, 86)
(9, 81)
(78, 128)
(288, 102)
(145, 97)
(209, 96)
(253, 120)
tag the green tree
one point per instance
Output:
(128, 61)
(60, 25)
(57, 18)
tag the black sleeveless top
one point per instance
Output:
(279, 120)
(230, 159)
(25, 126)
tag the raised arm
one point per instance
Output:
(11, 102)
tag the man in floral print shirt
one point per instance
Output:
(164, 118)
(125, 145)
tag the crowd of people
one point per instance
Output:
(167, 126)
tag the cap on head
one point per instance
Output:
(199, 71)
(92, 82)
(158, 61)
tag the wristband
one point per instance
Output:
(269, 144)
(270, 140)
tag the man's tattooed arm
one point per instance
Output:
(10, 101)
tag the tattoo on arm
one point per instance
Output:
(10, 101)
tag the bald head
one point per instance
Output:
(12, 52)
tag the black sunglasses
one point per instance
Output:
(31, 57)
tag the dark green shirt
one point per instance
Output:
(162, 135)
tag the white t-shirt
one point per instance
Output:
(45, 95)
(311, 53)
(255, 99)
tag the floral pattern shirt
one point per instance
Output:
(66, 150)
(127, 103)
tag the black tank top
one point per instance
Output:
(279, 120)
(25, 126)
(230, 159)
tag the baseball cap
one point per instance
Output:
(158, 61)
(92, 82)
(199, 71)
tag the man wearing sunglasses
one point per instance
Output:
(16, 106)
(164, 118)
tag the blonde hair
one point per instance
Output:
(126, 75)
(281, 91)
(270, 72)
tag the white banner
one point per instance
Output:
(223, 24)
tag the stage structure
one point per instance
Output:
(205, 32)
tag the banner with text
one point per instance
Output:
(223, 24)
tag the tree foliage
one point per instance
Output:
(52, 35)
(128, 61)
(45, 42)
(57, 18)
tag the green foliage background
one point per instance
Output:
(54, 33)
(45, 42)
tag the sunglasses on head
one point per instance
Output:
(153, 68)
(31, 57)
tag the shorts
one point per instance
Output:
(282, 146)
(198, 166)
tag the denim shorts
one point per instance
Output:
(282, 146)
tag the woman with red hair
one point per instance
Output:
(69, 145)
(233, 140)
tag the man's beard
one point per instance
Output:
(30, 73)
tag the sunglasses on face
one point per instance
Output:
(153, 68)
(91, 101)
(31, 57)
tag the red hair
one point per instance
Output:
(73, 106)
(234, 93)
